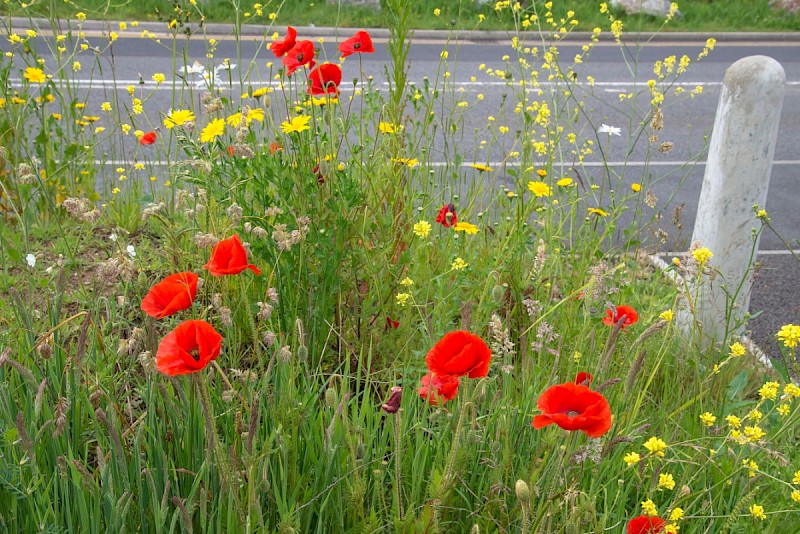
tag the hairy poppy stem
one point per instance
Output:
(398, 421)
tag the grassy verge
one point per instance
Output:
(387, 348)
(696, 15)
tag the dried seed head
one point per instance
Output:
(228, 395)
(285, 354)
(234, 213)
(148, 363)
(666, 147)
(205, 240)
(269, 339)
(657, 122)
(45, 351)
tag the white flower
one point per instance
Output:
(195, 68)
(113, 237)
(612, 130)
(31, 259)
(131, 251)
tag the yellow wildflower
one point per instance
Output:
(465, 227)
(422, 229)
(212, 130)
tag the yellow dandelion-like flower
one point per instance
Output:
(296, 125)
(34, 75)
(796, 496)
(789, 334)
(408, 162)
(666, 315)
(598, 212)
(540, 189)
(708, 419)
(212, 130)
(389, 128)
(482, 168)
(467, 228)
(178, 117)
(234, 120)
(159, 77)
(422, 229)
(656, 446)
(255, 114)
(564, 182)
(636, 187)
(796, 478)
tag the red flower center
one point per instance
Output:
(356, 46)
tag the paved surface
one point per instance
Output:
(686, 120)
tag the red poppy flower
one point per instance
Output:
(231, 150)
(459, 353)
(148, 139)
(574, 407)
(393, 403)
(359, 43)
(391, 323)
(317, 172)
(447, 216)
(229, 257)
(325, 79)
(301, 54)
(646, 525)
(438, 388)
(173, 294)
(583, 379)
(279, 48)
(614, 315)
(275, 148)
(188, 348)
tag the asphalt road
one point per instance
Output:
(776, 294)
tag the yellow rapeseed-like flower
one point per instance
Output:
(212, 130)
(676, 514)
(402, 298)
(159, 77)
(296, 125)
(796, 478)
(754, 433)
(422, 229)
(458, 264)
(407, 282)
(737, 349)
(671, 528)
(757, 511)
(769, 390)
(467, 228)
(105, 106)
(733, 421)
(796, 496)
(636, 187)
(702, 255)
(751, 466)
(540, 189)
(34, 75)
(789, 334)
(656, 446)
(791, 390)
(632, 458)
(784, 410)
(708, 419)
(649, 508)
(178, 118)
(666, 481)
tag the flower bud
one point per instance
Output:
(523, 492)
(498, 294)
(331, 399)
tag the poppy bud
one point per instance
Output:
(302, 353)
(331, 398)
(393, 404)
(475, 529)
(45, 351)
(523, 492)
(685, 491)
(498, 294)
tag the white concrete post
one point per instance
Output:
(736, 178)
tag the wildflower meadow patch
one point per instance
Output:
(286, 293)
